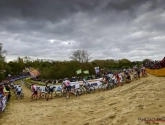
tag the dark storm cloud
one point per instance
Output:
(132, 29)
(51, 10)
(54, 10)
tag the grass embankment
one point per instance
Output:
(28, 83)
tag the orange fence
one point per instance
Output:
(157, 72)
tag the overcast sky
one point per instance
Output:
(108, 29)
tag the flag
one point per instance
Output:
(78, 71)
(86, 72)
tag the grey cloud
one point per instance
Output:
(52, 10)
(106, 28)
(55, 10)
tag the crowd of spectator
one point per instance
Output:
(5, 88)
(4, 92)
(155, 64)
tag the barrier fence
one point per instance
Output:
(156, 72)
(3, 102)
(95, 83)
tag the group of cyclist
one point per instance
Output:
(17, 89)
(48, 90)
(118, 78)
(39, 93)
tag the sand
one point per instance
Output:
(120, 106)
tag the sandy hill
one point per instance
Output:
(121, 106)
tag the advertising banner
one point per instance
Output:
(73, 84)
(157, 72)
(97, 70)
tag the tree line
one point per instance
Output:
(50, 69)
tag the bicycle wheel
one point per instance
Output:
(82, 90)
(22, 95)
(58, 93)
(42, 95)
(101, 87)
(91, 89)
(63, 91)
(78, 92)
(67, 96)
(123, 82)
(136, 77)
(111, 86)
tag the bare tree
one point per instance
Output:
(81, 56)
(85, 56)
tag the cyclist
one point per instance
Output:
(138, 72)
(143, 70)
(67, 86)
(47, 92)
(34, 92)
(114, 79)
(86, 85)
(106, 79)
(39, 93)
(128, 78)
(19, 90)
(16, 87)
(119, 79)
(52, 89)
(12, 85)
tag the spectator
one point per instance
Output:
(7, 86)
(2, 93)
(5, 89)
(155, 64)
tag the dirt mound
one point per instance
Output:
(124, 105)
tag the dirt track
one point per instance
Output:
(120, 106)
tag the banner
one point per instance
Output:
(58, 87)
(78, 71)
(157, 72)
(86, 72)
(95, 83)
(97, 70)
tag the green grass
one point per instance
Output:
(38, 83)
